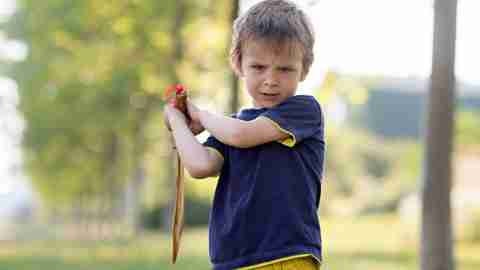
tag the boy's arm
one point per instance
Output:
(200, 161)
(239, 133)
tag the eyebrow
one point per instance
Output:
(256, 62)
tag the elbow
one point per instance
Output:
(198, 174)
(199, 171)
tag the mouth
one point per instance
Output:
(269, 94)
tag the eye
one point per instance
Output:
(257, 67)
(286, 69)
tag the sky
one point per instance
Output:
(381, 37)
(387, 37)
(392, 37)
(11, 123)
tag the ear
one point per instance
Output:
(236, 65)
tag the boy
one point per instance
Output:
(269, 157)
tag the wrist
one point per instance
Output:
(202, 114)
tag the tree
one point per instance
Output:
(91, 90)
(234, 87)
(436, 239)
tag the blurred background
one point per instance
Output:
(86, 171)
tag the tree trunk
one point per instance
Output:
(436, 244)
(234, 87)
(133, 202)
(111, 177)
(132, 199)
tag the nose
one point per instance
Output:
(271, 78)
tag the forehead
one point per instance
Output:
(264, 49)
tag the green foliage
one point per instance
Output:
(364, 173)
(151, 219)
(467, 130)
(196, 214)
(91, 85)
(367, 174)
(197, 211)
(361, 243)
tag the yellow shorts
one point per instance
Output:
(302, 263)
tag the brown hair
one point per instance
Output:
(276, 21)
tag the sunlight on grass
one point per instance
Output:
(354, 243)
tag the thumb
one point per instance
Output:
(192, 110)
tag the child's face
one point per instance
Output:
(271, 74)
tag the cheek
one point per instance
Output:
(252, 78)
(252, 84)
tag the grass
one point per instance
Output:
(151, 251)
(375, 242)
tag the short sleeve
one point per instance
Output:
(220, 147)
(299, 116)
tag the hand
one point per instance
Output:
(195, 125)
(193, 111)
(172, 114)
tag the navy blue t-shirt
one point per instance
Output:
(267, 197)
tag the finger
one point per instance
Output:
(192, 111)
(173, 108)
(191, 106)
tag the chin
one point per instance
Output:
(269, 105)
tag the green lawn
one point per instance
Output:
(376, 242)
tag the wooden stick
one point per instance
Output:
(178, 213)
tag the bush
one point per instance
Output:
(368, 174)
(196, 214)
(151, 218)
